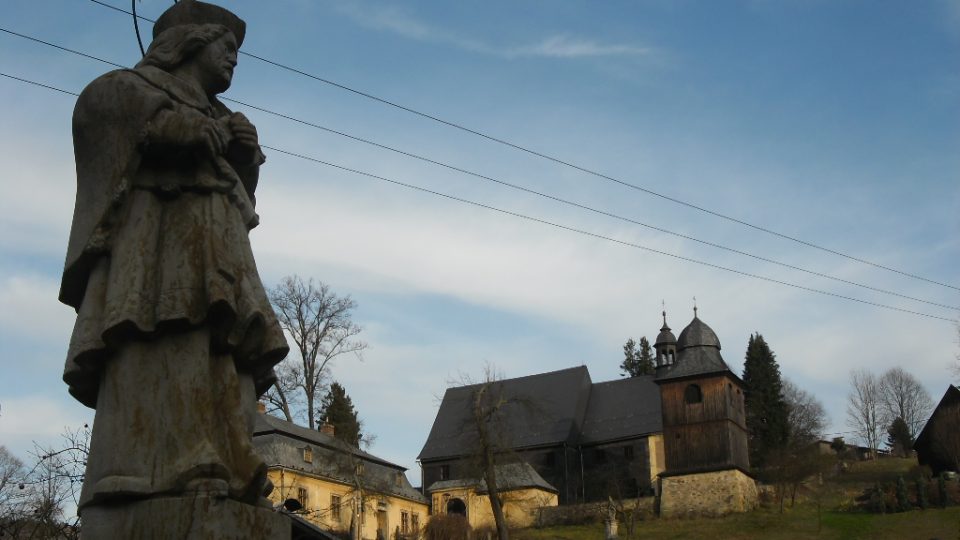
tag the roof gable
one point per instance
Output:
(622, 409)
(545, 409)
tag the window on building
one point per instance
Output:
(628, 453)
(550, 460)
(399, 479)
(404, 522)
(308, 454)
(444, 472)
(359, 469)
(415, 523)
(693, 394)
(303, 497)
(335, 507)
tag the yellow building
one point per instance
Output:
(336, 486)
(522, 491)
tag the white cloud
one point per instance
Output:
(396, 20)
(569, 47)
(29, 308)
(39, 419)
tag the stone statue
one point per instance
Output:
(175, 338)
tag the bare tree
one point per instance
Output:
(799, 458)
(806, 416)
(319, 323)
(489, 411)
(902, 396)
(33, 501)
(864, 413)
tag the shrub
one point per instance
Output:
(877, 502)
(903, 499)
(922, 500)
(447, 527)
(942, 489)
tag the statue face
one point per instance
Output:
(215, 64)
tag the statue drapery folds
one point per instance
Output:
(175, 337)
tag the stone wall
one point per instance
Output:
(595, 512)
(707, 494)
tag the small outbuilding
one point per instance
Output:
(938, 444)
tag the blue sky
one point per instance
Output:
(835, 122)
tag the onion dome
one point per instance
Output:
(665, 337)
(697, 334)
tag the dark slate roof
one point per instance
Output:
(697, 334)
(562, 407)
(950, 397)
(545, 409)
(518, 475)
(281, 443)
(698, 353)
(665, 335)
(622, 409)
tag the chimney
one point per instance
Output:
(327, 428)
(261, 407)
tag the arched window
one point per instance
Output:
(456, 506)
(693, 394)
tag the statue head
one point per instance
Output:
(199, 41)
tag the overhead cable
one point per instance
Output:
(574, 166)
(521, 188)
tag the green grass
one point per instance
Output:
(839, 518)
(798, 523)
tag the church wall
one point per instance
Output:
(620, 470)
(707, 494)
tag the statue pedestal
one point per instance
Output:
(187, 518)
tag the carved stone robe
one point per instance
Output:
(175, 338)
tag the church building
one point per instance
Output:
(679, 434)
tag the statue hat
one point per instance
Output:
(195, 12)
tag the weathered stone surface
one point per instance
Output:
(707, 494)
(186, 518)
(175, 337)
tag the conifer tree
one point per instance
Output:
(637, 361)
(898, 438)
(337, 409)
(766, 410)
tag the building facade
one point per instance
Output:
(938, 443)
(626, 438)
(336, 486)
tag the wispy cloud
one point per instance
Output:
(570, 47)
(395, 20)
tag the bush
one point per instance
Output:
(877, 502)
(922, 500)
(447, 527)
(903, 499)
(942, 490)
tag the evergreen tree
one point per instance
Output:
(337, 409)
(898, 438)
(645, 358)
(637, 361)
(766, 410)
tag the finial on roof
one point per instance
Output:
(694, 307)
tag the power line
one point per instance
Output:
(520, 188)
(574, 166)
(589, 208)
(555, 225)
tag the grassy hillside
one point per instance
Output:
(838, 516)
